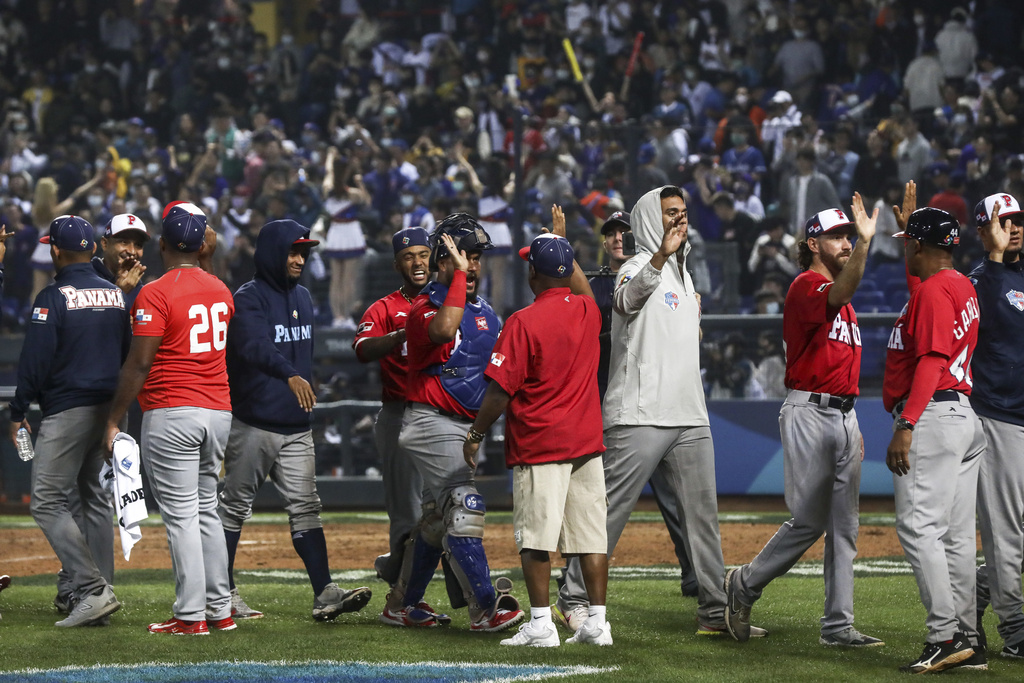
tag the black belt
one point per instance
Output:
(843, 403)
(443, 413)
(938, 397)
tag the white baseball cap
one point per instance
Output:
(826, 220)
(125, 222)
(1008, 206)
(782, 97)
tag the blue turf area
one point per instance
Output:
(304, 672)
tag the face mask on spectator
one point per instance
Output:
(458, 185)
(20, 126)
(919, 19)
(308, 139)
(223, 62)
(101, 164)
(238, 203)
(741, 100)
(960, 119)
(91, 68)
(152, 169)
(390, 111)
(482, 56)
(95, 201)
(589, 63)
(471, 82)
(407, 201)
(287, 39)
(562, 74)
(799, 35)
(771, 308)
(738, 138)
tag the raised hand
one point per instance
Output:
(557, 220)
(459, 258)
(675, 235)
(909, 205)
(865, 224)
(995, 237)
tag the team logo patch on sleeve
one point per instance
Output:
(625, 279)
(672, 300)
(481, 323)
(1015, 298)
(295, 314)
(497, 359)
(364, 327)
(40, 314)
(142, 317)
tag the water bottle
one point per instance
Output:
(25, 451)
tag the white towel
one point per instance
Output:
(122, 476)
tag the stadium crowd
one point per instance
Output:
(362, 118)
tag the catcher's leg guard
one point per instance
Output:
(463, 543)
(421, 552)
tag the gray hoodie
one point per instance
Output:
(654, 377)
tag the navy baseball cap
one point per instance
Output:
(73, 233)
(550, 255)
(184, 226)
(617, 221)
(824, 221)
(933, 226)
(410, 237)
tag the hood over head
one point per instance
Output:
(648, 229)
(273, 243)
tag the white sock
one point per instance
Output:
(598, 612)
(540, 615)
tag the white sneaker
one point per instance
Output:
(573, 618)
(593, 633)
(535, 635)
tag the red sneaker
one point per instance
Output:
(499, 621)
(225, 624)
(178, 627)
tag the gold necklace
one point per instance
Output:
(402, 292)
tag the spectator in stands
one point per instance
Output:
(737, 227)
(886, 250)
(799, 62)
(742, 157)
(957, 45)
(873, 169)
(647, 173)
(951, 197)
(783, 115)
(923, 80)
(744, 198)
(806, 193)
(772, 253)
(914, 152)
(347, 197)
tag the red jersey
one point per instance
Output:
(421, 353)
(384, 317)
(822, 342)
(190, 310)
(941, 317)
(546, 358)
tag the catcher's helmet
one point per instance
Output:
(466, 233)
(933, 226)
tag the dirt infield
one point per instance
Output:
(354, 546)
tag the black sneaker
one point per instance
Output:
(737, 615)
(941, 656)
(1014, 651)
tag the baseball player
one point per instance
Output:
(176, 368)
(74, 345)
(5, 580)
(543, 376)
(270, 367)
(821, 439)
(655, 417)
(603, 286)
(998, 398)
(937, 439)
(449, 337)
(381, 337)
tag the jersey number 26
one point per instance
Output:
(220, 327)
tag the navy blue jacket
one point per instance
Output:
(104, 272)
(603, 287)
(270, 338)
(998, 360)
(74, 345)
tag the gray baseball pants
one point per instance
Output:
(99, 536)
(1000, 510)
(821, 448)
(935, 508)
(69, 456)
(403, 484)
(289, 460)
(666, 501)
(685, 456)
(182, 449)
(434, 444)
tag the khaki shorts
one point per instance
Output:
(561, 506)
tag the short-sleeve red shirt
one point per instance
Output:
(421, 353)
(941, 317)
(546, 358)
(384, 317)
(822, 343)
(190, 310)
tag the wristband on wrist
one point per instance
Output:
(904, 423)
(473, 436)
(456, 297)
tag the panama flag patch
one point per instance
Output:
(142, 317)
(40, 314)
(497, 359)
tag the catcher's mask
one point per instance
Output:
(465, 231)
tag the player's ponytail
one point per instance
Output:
(804, 255)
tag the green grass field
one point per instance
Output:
(652, 625)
